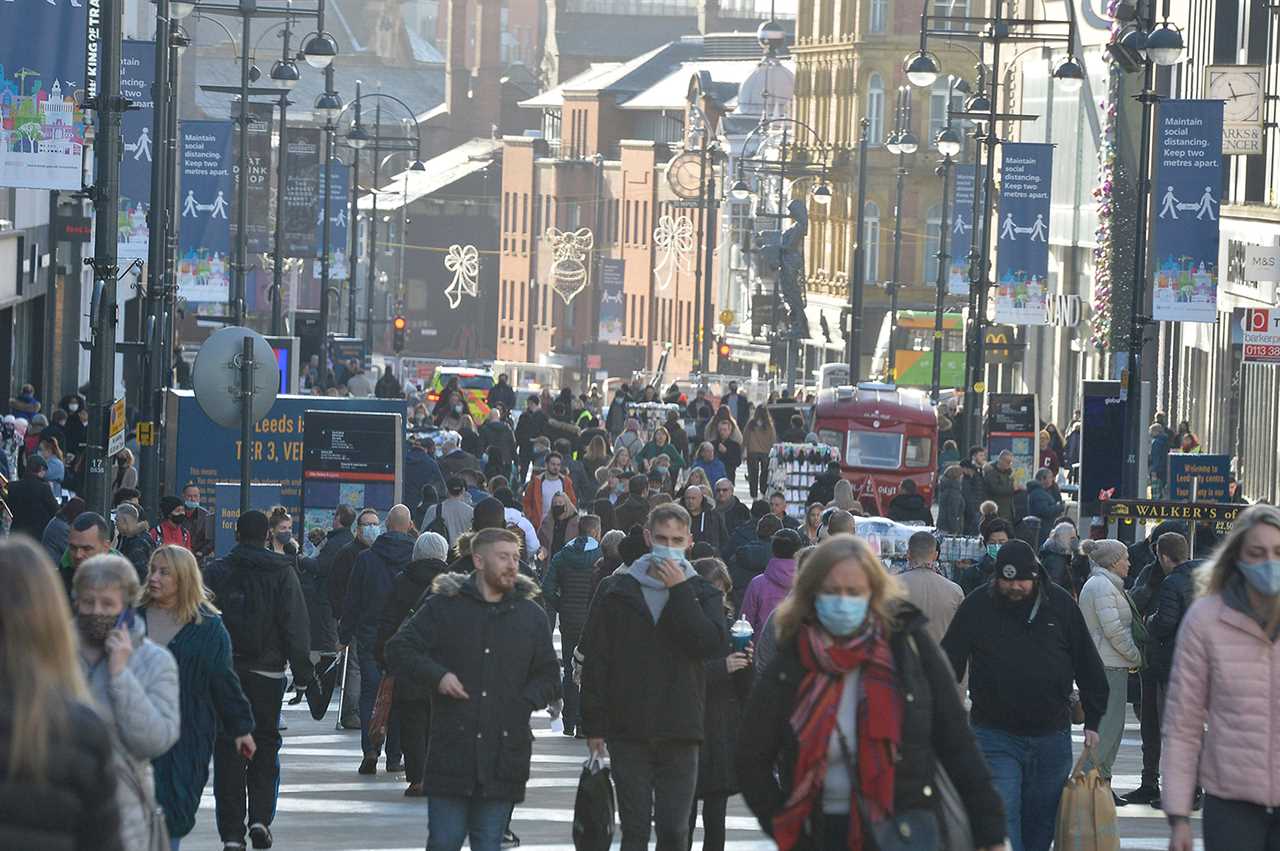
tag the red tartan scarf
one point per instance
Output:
(879, 729)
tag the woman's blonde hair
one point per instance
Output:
(193, 600)
(596, 449)
(1212, 576)
(39, 668)
(798, 606)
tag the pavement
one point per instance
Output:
(326, 806)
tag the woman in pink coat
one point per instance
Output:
(1222, 715)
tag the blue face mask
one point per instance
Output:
(371, 533)
(668, 553)
(840, 615)
(1263, 577)
(993, 550)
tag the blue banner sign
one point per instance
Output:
(1022, 225)
(1196, 477)
(339, 232)
(612, 301)
(137, 77)
(1186, 192)
(960, 238)
(204, 452)
(204, 208)
(42, 78)
(226, 510)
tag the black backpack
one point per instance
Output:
(437, 524)
(246, 613)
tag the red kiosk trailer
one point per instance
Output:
(885, 434)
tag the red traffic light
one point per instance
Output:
(725, 350)
(399, 323)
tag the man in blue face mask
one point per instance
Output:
(995, 533)
(643, 680)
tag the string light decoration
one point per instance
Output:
(569, 249)
(1103, 194)
(673, 239)
(464, 262)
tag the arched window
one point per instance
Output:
(932, 242)
(938, 110)
(875, 109)
(871, 243)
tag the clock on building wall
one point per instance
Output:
(684, 175)
(1242, 90)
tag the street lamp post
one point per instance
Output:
(328, 107)
(857, 262)
(949, 145)
(902, 143)
(285, 72)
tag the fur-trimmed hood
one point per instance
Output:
(453, 584)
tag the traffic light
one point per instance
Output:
(398, 326)
(723, 349)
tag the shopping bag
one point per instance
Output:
(320, 690)
(593, 808)
(381, 712)
(1087, 812)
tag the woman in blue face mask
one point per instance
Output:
(860, 714)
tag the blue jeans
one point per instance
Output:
(1028, 772)
(452, 820)
(370, 679)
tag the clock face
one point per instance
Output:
(684, 175)
(1240, 89)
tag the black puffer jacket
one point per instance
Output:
(1177, 593)
(503, 656)
(407, 591)
(642, 680)
(567, 587)
(137, 549)
(934, 729)
(910, 508)
(344, 561)
(74, 807)
(271, 581)
(371, 581)
(726, 694)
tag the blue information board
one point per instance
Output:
(226, 510)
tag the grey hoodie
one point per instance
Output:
(655, 592)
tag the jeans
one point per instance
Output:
(1111, 728)
(258, 778)
(174, 842)
(1028, 772)
(757, 473)
(654, 782)
(370, 679)
(571, 709)
(713, 813)
(450, 821)
(1149, 717)
(414, 716)
(1240, 826)
(349, 710)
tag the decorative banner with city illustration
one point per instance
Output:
(204, 207)
(961, 236)
(137, 76)
(339, 233)
(301, 202)
(42, 68)
(1022, 254)
(1186, 191)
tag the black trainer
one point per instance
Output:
(260, 835)
(1142, 795)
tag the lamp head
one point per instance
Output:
(892, 144)
(1165, 44)
(921, 68)
(949, 142)
(328, 105)
(822, 195)
(180, 9)
(319, 50)
(740, 191)
(285, 72)
(1069, 74)
(358, 137)
(907, 142)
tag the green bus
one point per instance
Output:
(912, 341)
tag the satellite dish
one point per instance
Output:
(216, 376)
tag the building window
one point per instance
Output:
(879, 15)
(871, 243)
(875, 109)
(938, 109)
(932, 242)
(951, 9)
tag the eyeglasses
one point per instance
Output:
(724, 490)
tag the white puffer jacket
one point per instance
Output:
(1109, 618)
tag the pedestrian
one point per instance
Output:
(998, 484)
(823, 489)
(732, 511)
(265, 614)
(1057, 553)
(843, 498)
(728, 675)
(1049, 457)
(1142, 554)
(545, 485)
(795, 432)
(57, 769)
(281, 538)
(951, 504)
(596, 456)
(661, 445)
(737, 403)
(314, 574)
(728, 447)
(58, 529)
(126, 475)
(411, 699)
(30, 500)
(531, 425)
(132, 540)
(56, 471)
(751, 559)
(483, 647)
(1221, 714)
(1173, 598)
(948, 455)
(1158, 459)
(1024, 644)
(370, 587)
(812, 528)
(647, 637)
(778, 507)
(768, 589)
(858, 685)
(420, 472)
(630, 438)
(1044, 501)
(973, 488)
(501, 393)
(908, 506)
(134, 682)
(367, 530)
(995, 534)
(1108, 613)
(707, 526)
(677, 434)
(622, 461)
(180, 616)
(197, 521)
(455, 512)
(567, 590)
(559, 527)
(927, 589)
(171, 530)
(89, 536)
(709, 463)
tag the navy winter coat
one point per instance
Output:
(371, 580)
